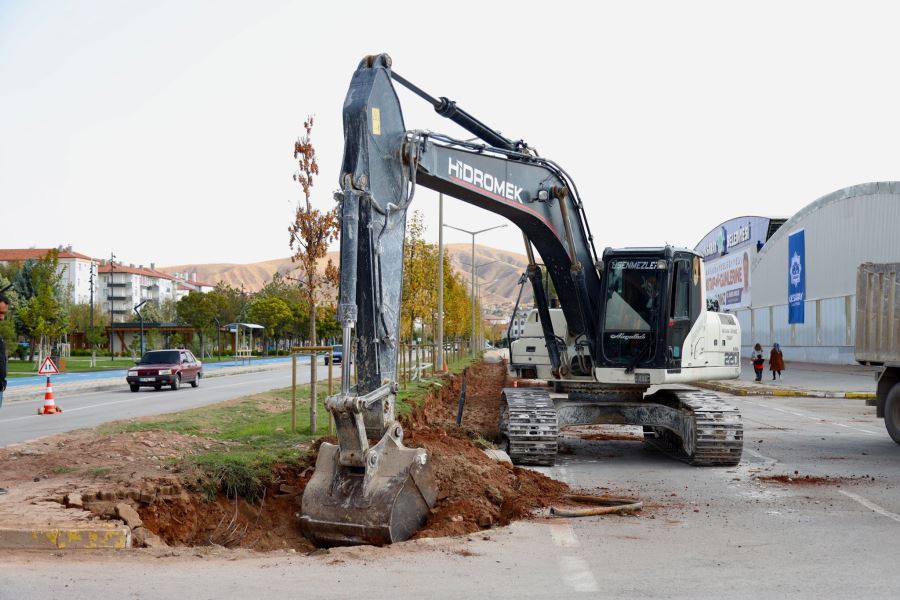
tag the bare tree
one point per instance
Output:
(311, 233)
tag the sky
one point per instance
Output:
(163, 131)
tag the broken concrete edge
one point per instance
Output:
(781, 392)
(37, 392)
(66, 538)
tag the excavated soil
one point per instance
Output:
(147, 470)
(810, 480)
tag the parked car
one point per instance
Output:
(338, 353)
(165, 367)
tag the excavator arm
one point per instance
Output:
(381, 493)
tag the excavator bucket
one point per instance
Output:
(388, 503)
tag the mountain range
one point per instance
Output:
(498, 272)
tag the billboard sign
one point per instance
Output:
(796, 288)
(728, 252)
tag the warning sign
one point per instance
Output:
(48, 367)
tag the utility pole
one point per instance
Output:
(91, 329)
(439, 358)
(473, 234)
(475, 270)
(110, 292)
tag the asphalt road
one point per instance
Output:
(19, 421)
(705, 533)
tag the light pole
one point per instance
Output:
(475, 269)
(137, 309)
(91, 328)
(473, 234)
(110, 292)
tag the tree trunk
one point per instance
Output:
(313, 408)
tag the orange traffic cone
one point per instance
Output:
(49, 407)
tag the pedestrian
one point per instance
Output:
(758, 361)
(776, 361)
(4, 308)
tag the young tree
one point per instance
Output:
(419, 275)
(310, 234)
(44, 312)
(197, 310)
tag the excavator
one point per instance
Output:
(628, 319)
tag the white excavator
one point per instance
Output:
(628, 319)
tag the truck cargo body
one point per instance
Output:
(878, 335)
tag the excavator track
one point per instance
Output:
(528, 421)
(718, 432)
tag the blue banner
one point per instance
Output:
(796, 276)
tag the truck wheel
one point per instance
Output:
(196, 380)
(892, 413)
(135, 388)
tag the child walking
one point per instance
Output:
(758, 361)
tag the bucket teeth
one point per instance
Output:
(379, 504)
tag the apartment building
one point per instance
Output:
(75, 267)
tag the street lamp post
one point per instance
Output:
(473, 234)
(91, 328)
(475, 270)
(110, 292)
(137, 309)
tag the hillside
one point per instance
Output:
(498, 280)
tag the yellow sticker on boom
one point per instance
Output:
(376, 121)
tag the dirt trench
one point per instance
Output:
(474, 491)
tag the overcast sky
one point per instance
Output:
(163, 131)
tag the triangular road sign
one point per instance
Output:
(48, 367)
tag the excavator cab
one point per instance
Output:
(652, 298)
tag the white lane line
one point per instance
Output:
(102, 404)
(765, 458)
(872, 506)
(563, 535)
(576, 574)
(813, 418)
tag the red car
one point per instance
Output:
(165, 367)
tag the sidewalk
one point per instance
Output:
(802, 380)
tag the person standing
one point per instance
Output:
(758, 361)
(776, 361)
(4, 308)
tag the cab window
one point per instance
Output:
(681, 297)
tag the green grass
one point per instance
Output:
(256, 439)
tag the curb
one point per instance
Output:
(69, 538)
(783, 392)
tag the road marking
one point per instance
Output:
(576, 574)
(563, 535)
(872, 506)
(812, 418)
(765, 458)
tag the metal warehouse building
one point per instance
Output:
(800, 289)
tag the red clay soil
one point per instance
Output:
(147, 470)
(474, 491)
(803, 480)
(189, 520)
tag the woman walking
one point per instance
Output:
(776, 361)
(758, 361)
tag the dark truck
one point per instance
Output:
(878, 335)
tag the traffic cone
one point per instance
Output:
(515, 383)
(49, 407)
